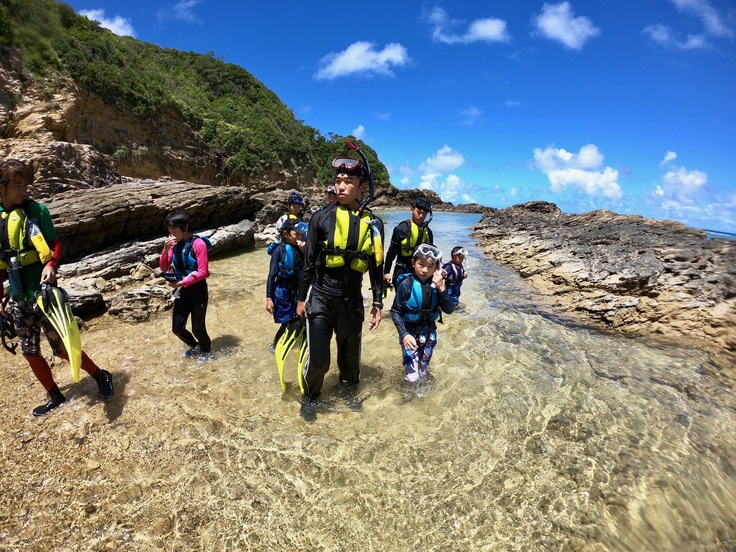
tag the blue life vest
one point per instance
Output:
(423, 304)
(184, 259)
(289, 263)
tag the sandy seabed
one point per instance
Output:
(544, 437)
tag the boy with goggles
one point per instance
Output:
(420, 296)
(342, 244)
(407, 235)
(454, 272)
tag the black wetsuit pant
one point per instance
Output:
(192, 301)
(343, 316)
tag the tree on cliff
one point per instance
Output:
(243, 122)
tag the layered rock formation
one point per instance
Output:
(628, 273)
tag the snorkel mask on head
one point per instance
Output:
(295, 199)
(347, 163)
(428, 251)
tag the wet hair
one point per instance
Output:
(423, 203)
(459, 250)
(12, 167)
(178, 219)
(289, 225)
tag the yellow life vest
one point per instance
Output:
(416, 236)
(27, 249)
(350, 240)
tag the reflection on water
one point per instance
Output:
(533, 434)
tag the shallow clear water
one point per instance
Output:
(534, 433)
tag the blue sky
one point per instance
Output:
(625, 105)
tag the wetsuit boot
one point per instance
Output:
(55, 399)
(104, 384)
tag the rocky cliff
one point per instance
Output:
(628, 273)
(77, 140)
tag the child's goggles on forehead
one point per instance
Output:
(427, 251)
(347, 163)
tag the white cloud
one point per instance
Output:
(359, 132)
(714, 26)
(449, 189)
(583, 171)
(181, 11)
(669, 156)
(557, 22)
(708, 15)
(362, 58)
(435, 173)
(512, 103)
(479, 30)
(118, 25)
(471, 115)
(681, 185)
(730, 203)
(445, 160)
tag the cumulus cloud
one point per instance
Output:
(363, 58)
(117, 24)
(445, 160)
(714, 26)
(681, 185)
(435, 173)
(557, 22)
(359, 132)
(668, 157)
(582, 171)
(449, 188)
(181, 11)
(479, 30)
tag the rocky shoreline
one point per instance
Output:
(112, 235)
(625, 273)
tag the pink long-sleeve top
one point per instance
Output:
(200, 253)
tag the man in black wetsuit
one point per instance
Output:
(342, 244)
(407, 235)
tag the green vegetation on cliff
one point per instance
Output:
(234, 113)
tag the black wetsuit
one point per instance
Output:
(335, 305)
(403, 262)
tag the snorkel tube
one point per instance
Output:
(355, 147)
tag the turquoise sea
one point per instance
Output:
(534, 433)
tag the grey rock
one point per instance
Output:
(624, 272)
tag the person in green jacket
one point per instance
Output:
(30, 260)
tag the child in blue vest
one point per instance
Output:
(284, 272)
(188, 255)
(420, 295)
(455, 273)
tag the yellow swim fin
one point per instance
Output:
(293, 331)
(54, 303)
(303, 355)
